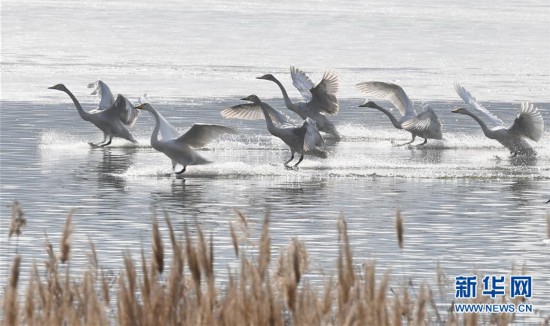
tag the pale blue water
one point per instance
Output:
(465, 203)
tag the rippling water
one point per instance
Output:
(465, 202)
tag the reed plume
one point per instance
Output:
(399, 228)
(17, 219)
(65, 238)
(158, 248)
(11, 306)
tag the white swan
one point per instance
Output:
(113, 121)
(304, 140)
(319, 99)
(425, 124)
(179, 149)
(528, 124)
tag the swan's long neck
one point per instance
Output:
(393, 120)
(270, 125)
(288, 102)
(83, 114)
(155, 134)
(488, 132)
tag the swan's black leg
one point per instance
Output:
(107, 143)
(99, 144)
(291, 158)
(412, 140)
(299, 161)
(173, 171)
(183, 170)
(424, 143)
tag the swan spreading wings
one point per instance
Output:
(180, 149)
(425, 124)
(114, 120)
(304, 139)
(527, 125)
(319, 100)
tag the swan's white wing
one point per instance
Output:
(245, 111)
(302, 82)
(200, 134)
(425, 125)
(390, 92)
(252, 111)
(313, 138)
(469, 99)
(104, 93)
(529, 122)
(129, 114)
(324, 94)
(167, 131)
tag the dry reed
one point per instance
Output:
(65, 238)
(18, 219)
(254, 294)
(399, 228)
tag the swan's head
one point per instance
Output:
(252, 98)
(145, 106)
(369, 104)
(460, 110)
(267, 77)
(59, 87)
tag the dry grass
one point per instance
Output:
(17, 219)
(399, 228)
(184, 291)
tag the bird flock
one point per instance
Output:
(114, 117)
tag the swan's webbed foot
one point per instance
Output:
(394, 144)
(182, 170)
(98, 145)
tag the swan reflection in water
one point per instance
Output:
(115, 161)
(183, 196)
